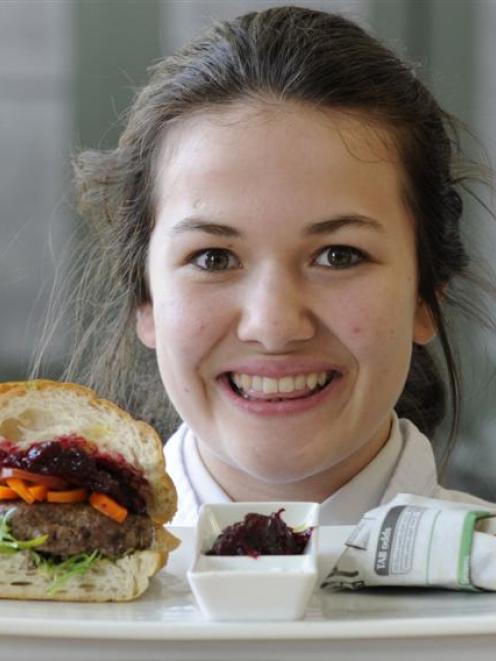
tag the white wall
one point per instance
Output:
(475, 456)
(35, 128)
(183, 20)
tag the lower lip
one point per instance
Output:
(285, 407)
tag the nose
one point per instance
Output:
(274, 312)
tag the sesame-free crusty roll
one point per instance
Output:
(84, 495)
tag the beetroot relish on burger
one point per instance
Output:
(75, 478)
(77, 462)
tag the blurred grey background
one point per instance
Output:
(68, 68)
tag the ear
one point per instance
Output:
(424, 329)
(145, 325)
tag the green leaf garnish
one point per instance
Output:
(61, 572)
(9, 544)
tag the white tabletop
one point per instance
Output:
(165, 624)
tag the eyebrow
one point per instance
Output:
(197, 224)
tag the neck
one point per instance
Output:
(242, 486)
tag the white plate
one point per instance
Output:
(167, 611)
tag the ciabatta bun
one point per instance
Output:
(42, 410)
(120, 580)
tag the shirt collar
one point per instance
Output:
(416, 468)
(365, 490)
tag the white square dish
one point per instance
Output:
(268, 587)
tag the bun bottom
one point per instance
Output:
(121, 580)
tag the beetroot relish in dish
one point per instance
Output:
(259, 534)
(79, 463)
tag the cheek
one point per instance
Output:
(189, 325)
(375, 323)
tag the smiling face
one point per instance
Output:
(282, 260)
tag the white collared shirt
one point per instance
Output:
(405, 464)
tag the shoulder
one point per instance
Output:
(461, 497)
(416, 471)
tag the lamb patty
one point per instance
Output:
(78, 528)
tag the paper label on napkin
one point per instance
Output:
(412, 541)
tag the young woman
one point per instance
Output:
(278, 229)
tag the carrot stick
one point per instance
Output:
(70, 496)
(108, 506)
(39, 492)
(8, 494)
(20, 487)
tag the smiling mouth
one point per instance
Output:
(258, 396)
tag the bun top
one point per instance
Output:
(42, 410)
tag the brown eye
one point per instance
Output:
(213, 259)
(340, 257)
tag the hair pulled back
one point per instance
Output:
(284, 54)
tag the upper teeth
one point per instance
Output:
(286, 384)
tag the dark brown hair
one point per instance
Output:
(284, 54)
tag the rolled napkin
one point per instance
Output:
(421, 542)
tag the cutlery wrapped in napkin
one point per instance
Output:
(414, 541)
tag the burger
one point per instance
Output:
(84, 496)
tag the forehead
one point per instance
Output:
(273, 158)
